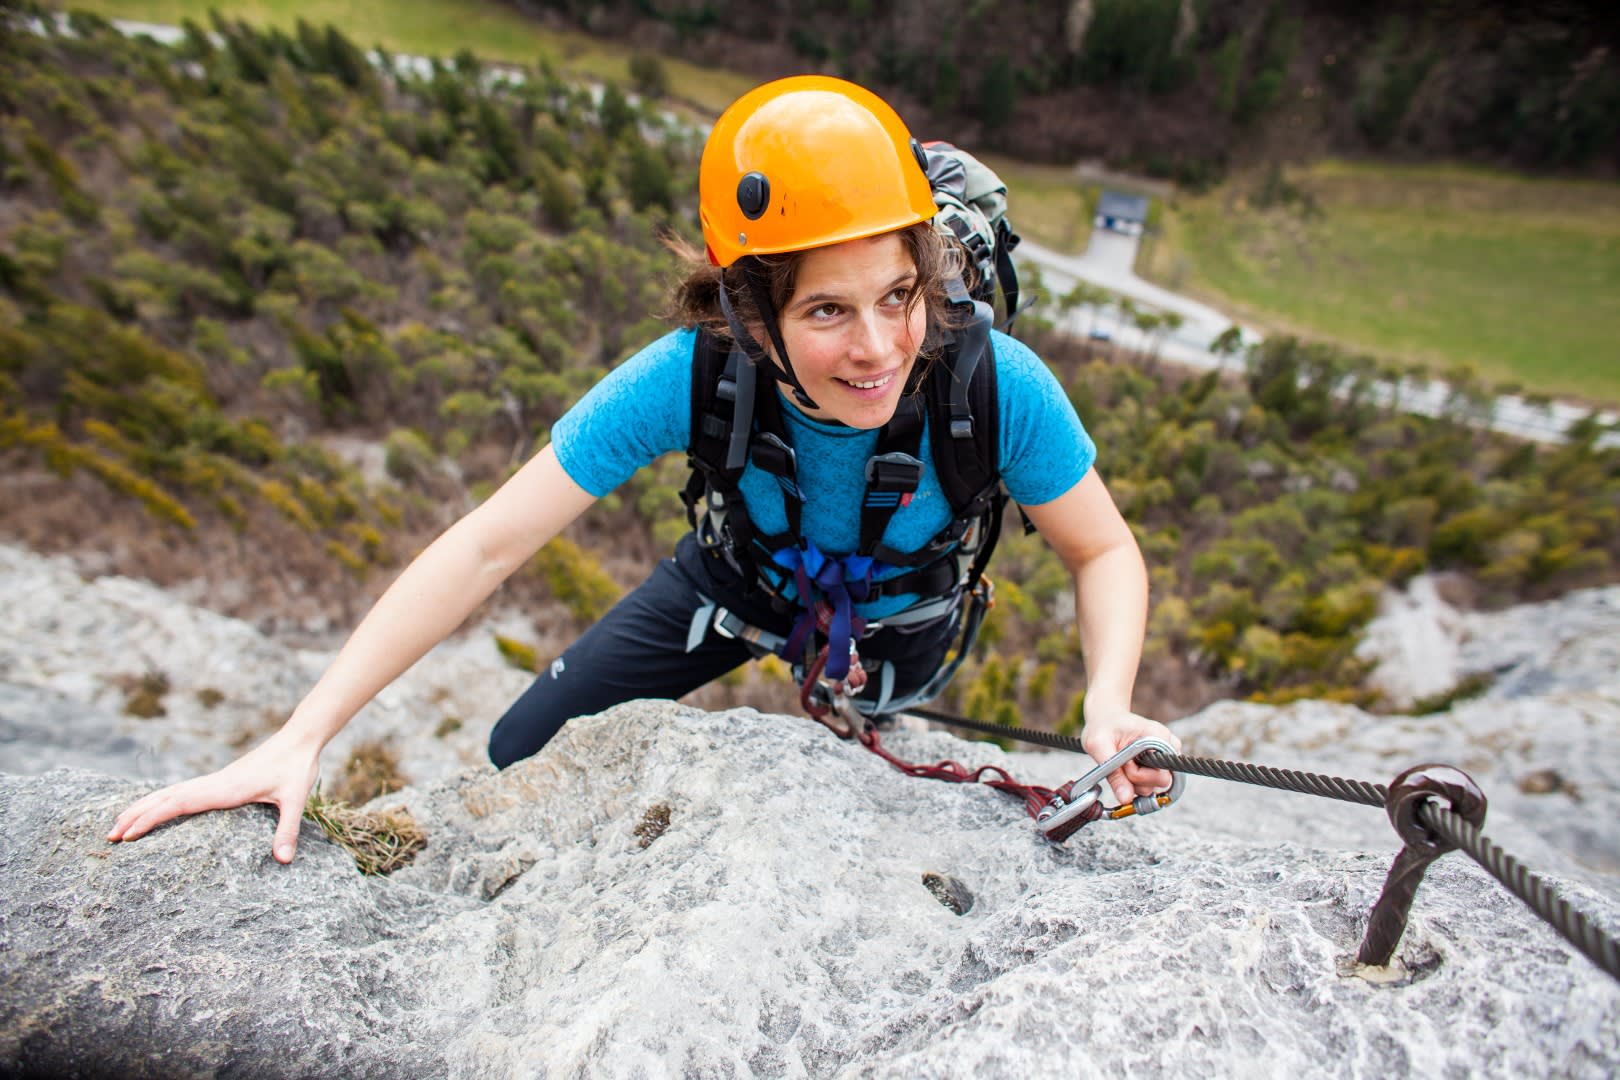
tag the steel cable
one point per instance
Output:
(1328, 787)
(1044, 738)
(1575, 926)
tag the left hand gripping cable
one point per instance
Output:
(1068, 812)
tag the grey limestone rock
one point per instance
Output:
(666, 892)
(1423, 646)
(78, 642)
(777, 926)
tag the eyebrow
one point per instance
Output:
(822, 298)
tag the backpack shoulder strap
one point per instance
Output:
(722, 415)
(1006, 272)
(964, 422)
(723, 385)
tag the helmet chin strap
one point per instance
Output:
(767, 311)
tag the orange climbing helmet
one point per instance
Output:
(807, 161)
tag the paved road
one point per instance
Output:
(1109, 261)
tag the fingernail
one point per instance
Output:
(284, 853)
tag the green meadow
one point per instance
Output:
(492, 31)
(1444, 266)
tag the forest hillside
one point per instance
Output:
(1184, 88)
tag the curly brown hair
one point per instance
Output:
(695, 300)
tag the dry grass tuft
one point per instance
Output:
(143, 696)
(380, 842)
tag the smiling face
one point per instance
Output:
(852, 330)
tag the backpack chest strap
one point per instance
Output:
(892, 474)
(738, 418)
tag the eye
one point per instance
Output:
(825, 312)
(899, 296)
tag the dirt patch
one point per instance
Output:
(372, 770)
(653, 823)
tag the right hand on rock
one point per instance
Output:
(276, 772)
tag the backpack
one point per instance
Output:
(972, 203)
(736, 418)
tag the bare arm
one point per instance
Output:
(438, 590)
(432, 597)
(1085, 529)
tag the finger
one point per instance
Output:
(149, 819)
(1100, 751)
(134, 810)
(1148, 780)
(1124, 791)
(169, 805)
(141, 811)
(192, 797)
(142, 807)
(286, 842)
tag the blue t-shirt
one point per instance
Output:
(643, 409)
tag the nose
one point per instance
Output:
(866, 339)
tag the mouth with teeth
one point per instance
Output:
(869, 384)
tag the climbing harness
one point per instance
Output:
(1434, 809)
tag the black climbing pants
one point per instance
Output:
(640, 650)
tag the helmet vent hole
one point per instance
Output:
(753, 195)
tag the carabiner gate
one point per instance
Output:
(1064, 816)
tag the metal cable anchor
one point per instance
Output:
(1411, 791)
(1066, 814)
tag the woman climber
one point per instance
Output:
(821, 382)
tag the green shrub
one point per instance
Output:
(121, 478)
(576, 579)
(648, 76)
(61, 176)
(408, 457)
(517, 654)
(351, 560)
(1074, 717)
(278, 495)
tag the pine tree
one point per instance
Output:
(998, 97)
